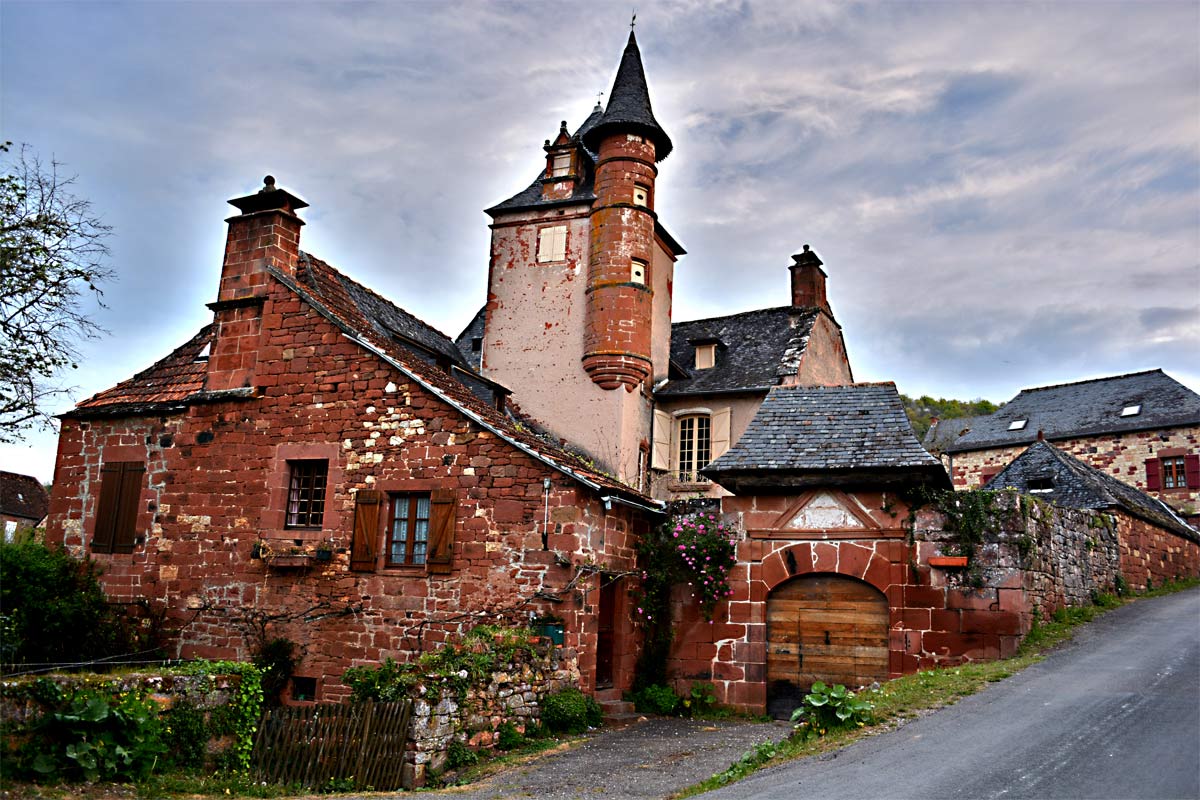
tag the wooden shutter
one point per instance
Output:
(1191, 468)
(720, 433)
(128, 504)
(107, 508)
(443, 503)
(1153, 475)
(660, 457)
(366, 530)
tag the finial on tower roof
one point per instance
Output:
(268, 184)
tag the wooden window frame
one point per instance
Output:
(557, 171)
(548, 251)
(410, 502)
(308, 488)
(117, 506)
(692, 431)
(709, 350)
(1174, 472)
(645, 191)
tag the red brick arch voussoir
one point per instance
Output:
(842, 558)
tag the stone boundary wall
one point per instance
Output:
(19, 707)
(512, 694)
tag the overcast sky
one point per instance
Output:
(1005, 195)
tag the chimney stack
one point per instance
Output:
(266, 233)
(808, 281)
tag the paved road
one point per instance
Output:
(1115, 714)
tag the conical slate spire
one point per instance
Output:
(629, 106)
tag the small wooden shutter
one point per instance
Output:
(1153, 475)
(1191, 468)
(720, 433)
(443, 503)
(660, 457)
(107, 508)
(128, 504)
(366, 530)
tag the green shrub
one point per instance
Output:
(54, 611)
(95, 736)
(824, 709)
(186, 735)
(277, 661)
(701, 700)
(458, 755)
(508, 737)
(657, 699)
(569, 711)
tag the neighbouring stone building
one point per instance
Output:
(23, 503)
(1143, 428)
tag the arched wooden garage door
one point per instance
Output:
(823, 627)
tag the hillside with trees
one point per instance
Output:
(924, 409)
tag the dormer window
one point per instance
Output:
(561, 165)
(1017, 424)
(641, 195)
(1131, 411)
(706, 356)
(637, 272)
(1040, 485)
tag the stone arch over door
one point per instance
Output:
(826, 627)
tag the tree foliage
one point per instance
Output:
(922, 410)
(52, 255)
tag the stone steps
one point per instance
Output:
(617, 712)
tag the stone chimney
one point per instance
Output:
(266, 233)
(808, 281)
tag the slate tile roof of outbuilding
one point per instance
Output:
(945, 432)
(1086, 408)
(23, 496)
(178, 380)
(1079, 485)
(816, 428)
(531, 196)
(757, 349)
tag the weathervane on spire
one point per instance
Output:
(633, 21)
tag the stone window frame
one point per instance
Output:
(308, 493)
(273, 522)
(696, 416)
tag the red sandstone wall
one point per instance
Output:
(1148, 553)
(215, 478)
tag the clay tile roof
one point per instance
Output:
(1085, 408)
(1066, 481)
(23, 496)
(168, 383)
(628, 106)
(802, 435)
(756, 349)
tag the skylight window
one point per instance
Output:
(1017, 425)
(1131, 411)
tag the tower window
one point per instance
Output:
(641, 195)
(561, 165)
(637, 272)
(706, 356)
(552, 244)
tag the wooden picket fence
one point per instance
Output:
(310, 745)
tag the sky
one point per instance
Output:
(1005, 195)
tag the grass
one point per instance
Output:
(912, 695)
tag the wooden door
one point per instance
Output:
(605, 644)
(826, 628)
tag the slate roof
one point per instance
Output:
(1079, 485)
(629, 105)
(1086, 408)
(531, 196)
(758, 349)
(465, 340)
(23, 496)
(803, 435)
(944, 432)
(178, 380)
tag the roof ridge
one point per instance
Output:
(798, 309)
(1094, 380)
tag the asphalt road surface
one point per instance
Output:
(1114, 714)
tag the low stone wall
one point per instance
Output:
(512, 694)
(1151, 555)
(20, 706)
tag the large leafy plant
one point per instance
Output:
(827, 708)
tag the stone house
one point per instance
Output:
(1142, 428)
(23, 503)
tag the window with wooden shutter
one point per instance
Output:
(1153, 475)
(660, 455)
(720, 432)
(1191, 466)
(117, 507)
(366, 530)
(443, 503)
